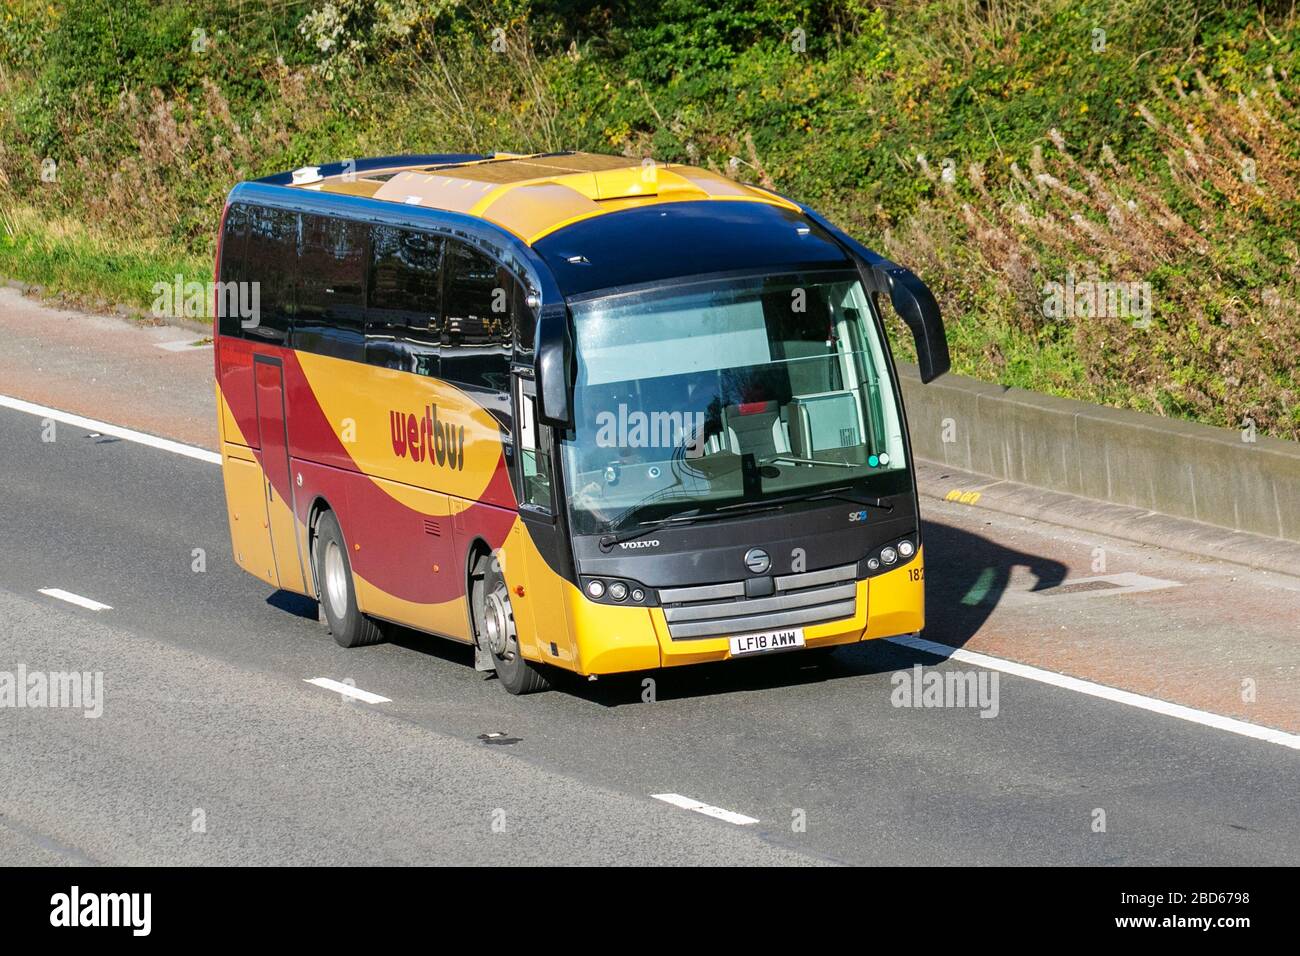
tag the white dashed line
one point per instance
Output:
(686, 803)
(116, 431)
(76, 599)
(1190, 714)
(347, 690)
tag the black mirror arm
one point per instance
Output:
(911, 299)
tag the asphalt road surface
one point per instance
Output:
(212, 747)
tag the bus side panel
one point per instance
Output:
(223, 410)
(394, 455)
(409, 429)
(238, 408)
(541, 612)
(286, 540)
(425, 543)
(404, 452)
(408, 561)
(250, 537)
(244, 478)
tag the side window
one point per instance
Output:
(231, 308)
(330, 314)
(404, 308)
(478, 321)
(271, 261)
(534, 458)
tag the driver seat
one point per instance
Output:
(754, 428)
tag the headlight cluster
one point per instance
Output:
(891, 555)
(617, 591)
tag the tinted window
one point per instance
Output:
(330, 314)
(271, 261)
(478, 304)
(230, 307)
(403, 314)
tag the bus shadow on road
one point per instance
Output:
(966, 576)
(299, 605)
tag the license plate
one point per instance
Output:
(785, 639)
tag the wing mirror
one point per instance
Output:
(915, 304)
(552, 367)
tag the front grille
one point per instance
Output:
(714, 610)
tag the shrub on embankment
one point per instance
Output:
(1005, 149)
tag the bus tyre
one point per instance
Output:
(338, 596)
(494, 625)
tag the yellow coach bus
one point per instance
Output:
(580, 412)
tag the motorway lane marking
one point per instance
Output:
(686, 803)
(347, 690)
(1202, 717)
(1190, 714)
(116, 431)
(76, 599)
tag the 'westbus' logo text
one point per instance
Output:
(422, 438)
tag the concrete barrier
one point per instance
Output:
(1182, 469)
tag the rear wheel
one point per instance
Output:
(338, 596)
(494, 625)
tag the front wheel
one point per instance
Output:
(494, 624)
(338, 596)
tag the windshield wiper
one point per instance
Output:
(693, 515)
(809, 461)
(608, 541)
(690, 516)
(848, 494)
(844, 493)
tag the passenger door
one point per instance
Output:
(268, 376)
(546, 548)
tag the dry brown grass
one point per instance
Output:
(169, 143)
(1223, 340)
(489, 95)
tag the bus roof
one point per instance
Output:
(531, 196)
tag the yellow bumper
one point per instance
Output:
(612, 639)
